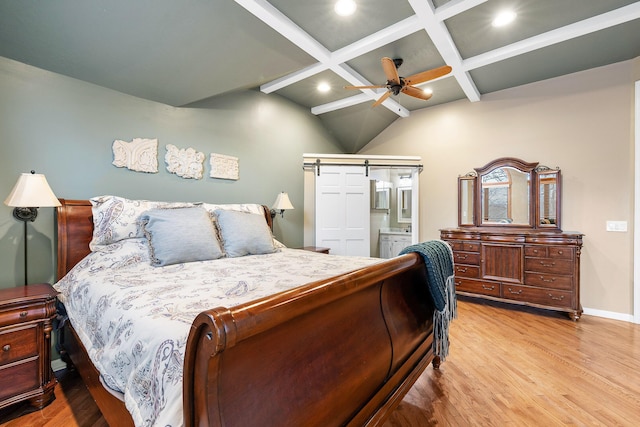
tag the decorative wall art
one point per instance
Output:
(186, 163)
(140, 155)
(224, 167)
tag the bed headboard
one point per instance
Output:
(75, 229)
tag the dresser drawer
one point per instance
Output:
(548, 281)
(464, 246)
(477, 287)
(551, 298)
(16, 344)
(471, 271)
(549, 265)
(472, 258)
(20, 378)
(555, 252)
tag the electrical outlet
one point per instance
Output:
(620, 226)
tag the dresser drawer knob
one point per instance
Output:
(547, 265)
(6, 347)
(23, 314)
(459, 256)
(553, 279)
(560, 298)
(488, 288)
(461, 269)
(518, 292)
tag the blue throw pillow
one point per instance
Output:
(244, 233)
(180, 235)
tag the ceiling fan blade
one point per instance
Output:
(416, 93)
(390, 70)
(425, 76)
(365, 87)
(382, 99)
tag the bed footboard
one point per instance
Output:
(342, 351)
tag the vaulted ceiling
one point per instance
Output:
(183, 52)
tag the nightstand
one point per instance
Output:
(26, 319)
(316, 249)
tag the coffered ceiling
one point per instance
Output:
(182, 52)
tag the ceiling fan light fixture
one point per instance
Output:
(345, 7)
(503, 18)
(428, 90)
(323, 87)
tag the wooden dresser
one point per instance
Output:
(26, 316)
(530, 267)
(508, 245)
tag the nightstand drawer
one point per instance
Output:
(22, 314)
(18, 379)
(16, 344)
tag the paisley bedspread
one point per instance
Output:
(134, 319)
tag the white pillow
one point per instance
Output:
(116, 218)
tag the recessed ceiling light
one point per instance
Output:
(504, 18)
(345, 7)
(323, 87)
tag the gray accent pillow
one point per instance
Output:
(244, 233)
(180, 235)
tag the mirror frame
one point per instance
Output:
(534, 193)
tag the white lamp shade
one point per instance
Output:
(32, 191)
(282, 202)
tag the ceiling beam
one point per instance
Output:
(442, 40)
(455, 7)
(577, 29)
(271, 16)
(378, 39)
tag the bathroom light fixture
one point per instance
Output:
(30, 192)
(345, 7)
(281, 204)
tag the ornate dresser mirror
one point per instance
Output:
(509, 245)
(509, 192)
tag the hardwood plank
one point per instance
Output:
(508, 366)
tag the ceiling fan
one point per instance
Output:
(396, 84)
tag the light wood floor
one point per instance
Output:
(507, 367)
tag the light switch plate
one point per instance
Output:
(620, 226)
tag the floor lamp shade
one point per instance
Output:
(31, 192)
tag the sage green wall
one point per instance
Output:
(64, 128)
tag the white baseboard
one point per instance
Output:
(58, 365)
(609, 314)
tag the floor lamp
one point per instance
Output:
(30, 193)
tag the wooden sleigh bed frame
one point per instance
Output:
(341, 351)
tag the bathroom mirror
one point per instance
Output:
(404, 204)
(380, 195)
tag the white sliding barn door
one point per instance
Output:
(342, 210)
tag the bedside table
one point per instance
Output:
(315, 249)
(26, 316)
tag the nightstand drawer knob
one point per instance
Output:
(23, 314)
(7, 347)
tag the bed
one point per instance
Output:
(340, 350)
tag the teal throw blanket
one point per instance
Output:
(438, 261)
